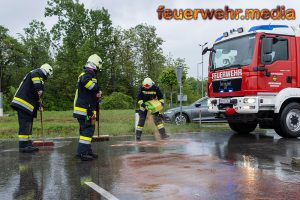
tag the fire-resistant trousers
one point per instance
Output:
(157, 120)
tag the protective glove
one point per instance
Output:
(41, 107)
(151, 108)
(98, 95)
(143, 105)
(40, 93)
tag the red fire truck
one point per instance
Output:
(254, 79)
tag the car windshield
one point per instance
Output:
(233, 53)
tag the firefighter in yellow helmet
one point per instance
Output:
(147, 92)
(85, 104)
(27, 101)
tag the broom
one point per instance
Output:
(39, 143)
(99, 138)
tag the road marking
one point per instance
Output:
(101, 191)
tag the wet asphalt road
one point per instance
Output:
(188, 166)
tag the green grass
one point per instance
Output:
(112, 122)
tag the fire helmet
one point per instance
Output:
(47, 69)
(148, 83)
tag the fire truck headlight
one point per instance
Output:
(249, 100)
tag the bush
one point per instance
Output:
(117, 100)
(7, 98)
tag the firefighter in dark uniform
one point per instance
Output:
(147, 92)
(85, 104)
(27, 101)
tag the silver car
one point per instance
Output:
(191, 113)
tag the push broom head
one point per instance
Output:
(41, 143)
(100, 138)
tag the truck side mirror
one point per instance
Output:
(204, 50)
(267, 44)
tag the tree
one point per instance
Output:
(12, 55)
(78, 33)
(36, 41)
(168, 76)
(149, 58)
(169, 81)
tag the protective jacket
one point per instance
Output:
(26, 97)
(145, 95)
(85, 98)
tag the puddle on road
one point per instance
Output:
(188, 166)
(149, 143)
(182, 176)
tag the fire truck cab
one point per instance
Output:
(254, 79)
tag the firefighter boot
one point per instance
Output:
(24, 147)
(85, 157)
(163, 135)
(91, 153)
(33, 147)
(138, 135)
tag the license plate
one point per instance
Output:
(224, 101)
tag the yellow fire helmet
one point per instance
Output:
(147, 83)
(46, 68)
(96, 60)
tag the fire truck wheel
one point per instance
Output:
(287, 124)
(242, 128)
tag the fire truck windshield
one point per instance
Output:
(233, 53)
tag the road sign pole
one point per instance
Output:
(202, 46)
(1, 104)
(1, 93)
(179, 70)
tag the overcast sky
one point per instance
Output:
(181, 37)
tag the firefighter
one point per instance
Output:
(85, 103)
(147, 92)
(27, 101)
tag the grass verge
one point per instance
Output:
(112, 122)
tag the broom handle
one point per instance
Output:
(42, 127)
(98, 117)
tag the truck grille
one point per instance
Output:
(229, 85)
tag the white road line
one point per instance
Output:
(101, 191)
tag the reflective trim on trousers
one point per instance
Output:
(84, 142)
(24, 137)
(159, 126)
(139, 128)
(85, 138)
